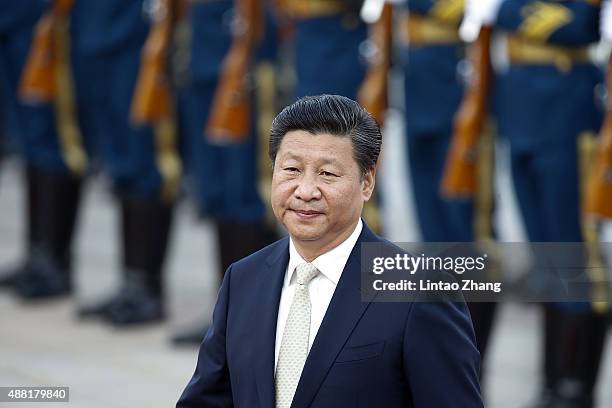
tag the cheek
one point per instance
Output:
(343, 199)
(280, 192)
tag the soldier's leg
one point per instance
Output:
(225, 190)
(440, 220)
(527, 189)
(55, 201)
(241, 226)
(50, 270)
(145, 238)
(31, 219)
(145, 228)
(582, 338)
(444, 220)
(225, 181)
(13, 49)
(582, 330)
(547, 189)
(146, 192)
(425, 174)
(54, 185)
(210, 39)
(239, 217)
(145, 170)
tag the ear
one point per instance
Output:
(367, 184)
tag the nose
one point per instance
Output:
(307, 188)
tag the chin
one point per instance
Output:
(304, 234)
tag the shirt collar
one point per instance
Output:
(330, 264)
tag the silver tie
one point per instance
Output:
(294, 345)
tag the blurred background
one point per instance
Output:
(134, 171)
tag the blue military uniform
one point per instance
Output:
(107, 39)
(142, 162)
(33, 126)
(328, 37)
(52, 185)
(101, 72)
(222, 179)
(16, 22)
(430, 54)
(545, 102)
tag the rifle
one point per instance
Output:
(372, 94)
(460, 172)
(598, 195)
(229, 120)
(152, 100)
(37, 83)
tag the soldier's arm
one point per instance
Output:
(571, 23)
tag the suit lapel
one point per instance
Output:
(269, 286)
(343, 314)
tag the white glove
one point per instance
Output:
(482, 12)
(605, 22)
(371, 10)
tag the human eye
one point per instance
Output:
(327, 173)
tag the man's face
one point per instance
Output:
(317, 188)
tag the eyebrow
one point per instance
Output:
(290, 155)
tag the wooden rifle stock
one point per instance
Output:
(598, 198)
(151, 102)
(229, 120)
(37, 83)
(372, 94)
(460, 173)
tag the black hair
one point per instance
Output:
(335, 115)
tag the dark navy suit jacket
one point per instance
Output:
(365, 354)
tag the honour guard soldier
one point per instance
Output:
(38, 96)
(431, 53)
(218, 119)
(141, 160)
(546, 101)
(76, 95)
(431, 56)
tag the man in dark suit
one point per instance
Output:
(290, 328)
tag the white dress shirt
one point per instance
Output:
(321, 288)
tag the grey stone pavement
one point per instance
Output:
(45, 345)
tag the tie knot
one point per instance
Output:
(305, 273)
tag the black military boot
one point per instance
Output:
(32, 220)
(147, 230)
(127, 238)
(236, 241)
(553, 323)
(136, 303)
(127, 231)
(49, 272)
(585, 337)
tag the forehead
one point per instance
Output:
(300, 144)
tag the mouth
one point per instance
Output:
(306, 214)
